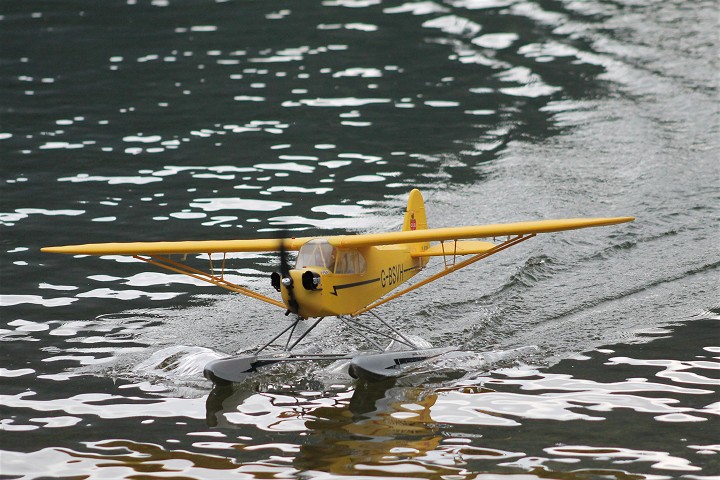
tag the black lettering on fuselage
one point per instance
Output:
(392, 276)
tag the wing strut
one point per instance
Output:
(211, 278)
(449, 268)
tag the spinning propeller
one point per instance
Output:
(283, 278)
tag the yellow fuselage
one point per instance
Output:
(385, 268)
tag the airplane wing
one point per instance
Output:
(478, 231)
(155, 253)
(182, 247)
(349, 241)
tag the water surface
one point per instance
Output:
(590, 354)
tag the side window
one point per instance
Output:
(350, 262)
(343, 262)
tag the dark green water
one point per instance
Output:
(593, 354)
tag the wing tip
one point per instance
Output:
(65, 249)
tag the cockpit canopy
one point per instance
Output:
(319, 253)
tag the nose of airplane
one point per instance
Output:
(300, 291)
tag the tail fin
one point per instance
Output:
(415, 219)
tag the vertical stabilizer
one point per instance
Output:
(415, 219)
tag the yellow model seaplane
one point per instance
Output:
(342, 276)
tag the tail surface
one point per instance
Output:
(415, 219)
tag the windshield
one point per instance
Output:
(316, 253)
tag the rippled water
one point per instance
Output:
(586, 354)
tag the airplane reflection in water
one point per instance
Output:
(375, 428)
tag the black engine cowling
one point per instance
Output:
(310, 280)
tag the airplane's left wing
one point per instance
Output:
(477, 231)
(454, 242)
